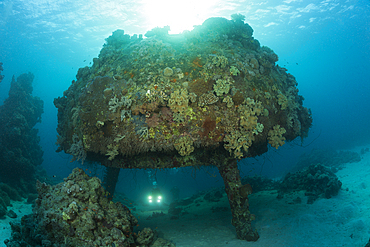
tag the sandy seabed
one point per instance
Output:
(343, 220)
(20, 208)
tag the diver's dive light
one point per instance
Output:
(155, 196)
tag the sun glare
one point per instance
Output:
(179, 15)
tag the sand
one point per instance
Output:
(20, 208)
(343, 220)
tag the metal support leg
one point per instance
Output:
(239, 205)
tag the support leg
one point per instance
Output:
(242, 218)
(110, 180)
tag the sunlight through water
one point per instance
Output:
(179, 15)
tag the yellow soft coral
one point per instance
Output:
(236, 140)
(283, 101)
(184, 145)
(222, 86)
(229, 101)
(249, 112)
(275, 136)
(179, 101)
(112, 151)
(220, 61)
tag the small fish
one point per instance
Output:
(85, 60)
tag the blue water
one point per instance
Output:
(324, 44)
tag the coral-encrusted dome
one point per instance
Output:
(178, 100)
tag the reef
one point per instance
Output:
(259, 183)
(7, 194)
(332, 159)
(368, 244)
(20, 151)
(77, 212)
(316, 180)
(210, 96)
(1, 69)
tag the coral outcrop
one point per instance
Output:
(316, 180)
(332, 159)
(20, 152)
(77, 212)
(7, 193)
(205, 97)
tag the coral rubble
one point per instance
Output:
(205, 97)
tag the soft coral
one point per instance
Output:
(153, 120)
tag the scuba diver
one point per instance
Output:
(155, 196)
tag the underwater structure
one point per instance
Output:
(210, 96)
(20, 150)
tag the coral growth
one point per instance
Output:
(196, 62)
(200, 86)
(179, 101)
(112, 151)
(154, 90)
(115, 104)
(207, 99)
(77, 149)
(220, 61)
(166, 114)
(229, 101)
(184, 145)
(316, 180)
(237, 141)
(275, 136)
(20, 150)
(153, 120)
(208, 125)
(283, 101)
(145, 108)
(77, 212)
(249, 114)
(167, 71)
(222, 87)
(234, 71)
